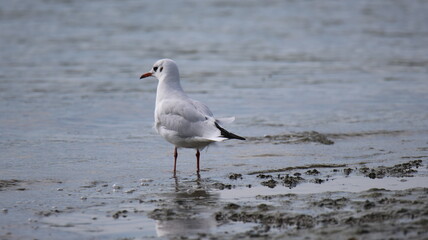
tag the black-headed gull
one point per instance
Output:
(182, 121)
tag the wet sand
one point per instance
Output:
(302, 202)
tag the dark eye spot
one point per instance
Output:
(155, 68)
(160, 70)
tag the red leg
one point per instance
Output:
(175, 159)
(197, 159)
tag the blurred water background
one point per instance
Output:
(72, 107)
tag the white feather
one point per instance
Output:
(227, 120)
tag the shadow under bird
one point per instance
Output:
(182, 121)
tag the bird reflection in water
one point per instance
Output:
(188, 210)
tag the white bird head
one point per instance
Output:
(163, 68)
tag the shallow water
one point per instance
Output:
(74, 113)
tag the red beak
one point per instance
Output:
(146, 75)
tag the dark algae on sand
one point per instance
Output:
(370, 214)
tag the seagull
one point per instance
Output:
(182, 121)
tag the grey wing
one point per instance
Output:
(201, 108)
(186, 118)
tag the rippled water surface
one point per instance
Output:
(74, 112)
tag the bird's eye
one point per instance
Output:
(160, 70)
(155, 68)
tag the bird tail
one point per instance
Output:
(224, 133)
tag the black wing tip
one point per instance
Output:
(240, 138)
(226, 134)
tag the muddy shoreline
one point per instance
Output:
(204, 208)
(371, 214)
